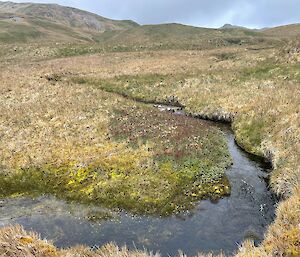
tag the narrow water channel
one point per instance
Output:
(213, 226)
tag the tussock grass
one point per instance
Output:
(73, 141)
(262, 102)
(14, 241)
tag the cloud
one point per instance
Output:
(207, 13)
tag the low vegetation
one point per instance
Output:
(252, 98)
(262, 103)
(98, 150)
(70, 125)
(88, 131)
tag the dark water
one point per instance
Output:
(213, 226)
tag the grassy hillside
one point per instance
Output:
(67, 16)
(177, 32)
(10, 33)
(181, 36)
(286, 31)
(50, 22)
(38, 30)
(43, 22)
(26, 22)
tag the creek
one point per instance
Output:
(215, 226)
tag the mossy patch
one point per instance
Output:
(269, 69)
(160, 192)
(153, 163)
(249, 134)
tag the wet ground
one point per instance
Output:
(214, 226)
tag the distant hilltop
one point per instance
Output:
(31, 22)
(230, 26)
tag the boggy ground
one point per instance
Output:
(80, 143)
(64, 139)
(256, 89)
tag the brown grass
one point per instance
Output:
(14, 241)
(262, 101)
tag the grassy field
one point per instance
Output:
(261, 101)
(66, 129)
(81, 143)
(13, 33)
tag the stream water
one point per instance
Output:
(213, 226)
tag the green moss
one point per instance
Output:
(269, 70)
(186, 162)
(160, 192)
(249, 134)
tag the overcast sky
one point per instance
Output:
(204, 13)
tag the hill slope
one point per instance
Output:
(181, 36)
(286, 31)
(27, 22)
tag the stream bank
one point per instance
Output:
(213, 226)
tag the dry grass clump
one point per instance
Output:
(283, 237)
(16, 242)
(290, 52)
(112, 250)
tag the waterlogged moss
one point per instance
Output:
(191, 153)
(158, 164)
(187, 142)
(146, 192)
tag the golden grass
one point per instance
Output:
(61, 138)
(263, 104)
(14, 241)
